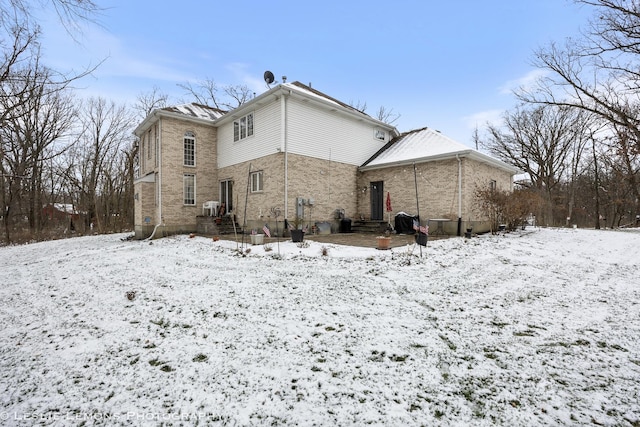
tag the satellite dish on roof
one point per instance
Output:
(269, 77)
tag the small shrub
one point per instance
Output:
(324, 251)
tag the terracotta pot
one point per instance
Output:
(383, 242)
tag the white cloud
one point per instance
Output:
(244, 74)
(481, 118)
(526, 81)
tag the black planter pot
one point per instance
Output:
(297, 235)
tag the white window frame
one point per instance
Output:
(243, 127)
(189, 153)
(189, 189)
(379, 134)
(257, 182)
(149, 144)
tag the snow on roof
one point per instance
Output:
(423, 145)
(63, 207)
(196, 110)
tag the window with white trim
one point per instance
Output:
(149, 144)
(189, 189)
(189, 149)
(380, 134)
(257, 184)
(243, 127)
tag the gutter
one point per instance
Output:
(159, 218)
(459, 195)
(284, 148)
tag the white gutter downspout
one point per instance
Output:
(284, 148)
(459, 194)
(159, 219)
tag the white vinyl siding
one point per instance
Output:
(312, 130)
(263, 143)
(349, 141)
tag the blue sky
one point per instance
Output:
(448, 65)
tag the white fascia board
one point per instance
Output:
(248, 106)
(446, 156)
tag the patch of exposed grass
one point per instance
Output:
(448, 342)
(200, 357)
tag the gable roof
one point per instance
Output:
(215, 116)
(425, 145)
(302, 91)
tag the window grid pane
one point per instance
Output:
(256, 182)
(250, 124)
(189, 151)
(243, 127)
(189, 189)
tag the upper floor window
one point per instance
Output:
(492, 185)
(149, 144)
(189, 189)
(256, 182)
(189, 149)
(243, 127)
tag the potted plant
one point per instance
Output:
(384, 242)
(256, 238)
(297, 233)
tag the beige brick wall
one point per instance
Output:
(144, 206)
(173, 209)
(331, 185)
(176, 216)
(437, 190)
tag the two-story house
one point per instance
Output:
(295, 150)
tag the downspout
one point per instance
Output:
(284, 148)
(159, 219)
(459, 195)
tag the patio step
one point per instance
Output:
(369, 227)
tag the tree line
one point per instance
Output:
(67, 164)
(575, 133)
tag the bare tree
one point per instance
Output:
(387, 115)
(208, 92)
(42, 112)
(543, 142)
(384, 114)
(96, 160)
(146, 102)
(598, 73)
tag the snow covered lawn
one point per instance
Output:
(528, 328)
